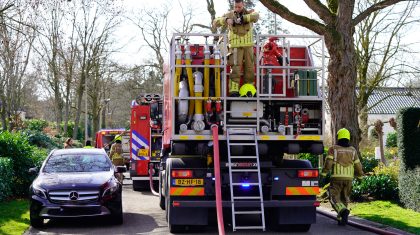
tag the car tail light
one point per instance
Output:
(307, 173)
(182, 173)
(317, 203)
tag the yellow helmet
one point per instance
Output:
(247, 90)
(118, 137)
(343, 133)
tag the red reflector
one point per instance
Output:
(307, 173)
(182, 173)
(316, 204)
(176, 204)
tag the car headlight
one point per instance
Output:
(40, 192)
(110, 188)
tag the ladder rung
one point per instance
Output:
(240, 157)
(249, 227)
(250, 144)
(245, 198)
(247, 212)
(244, 170)
(239, 184)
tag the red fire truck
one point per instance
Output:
(231, 154)
(105, 137)
(145, 140)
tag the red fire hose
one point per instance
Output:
(217, 177)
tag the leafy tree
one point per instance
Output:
(337, 22)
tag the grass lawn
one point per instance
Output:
(388, 213)
(14, 217)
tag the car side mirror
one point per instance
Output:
(121, 169)
(33, 170)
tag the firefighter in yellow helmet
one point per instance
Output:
(241, 41)
(116, 154)
(344, 162)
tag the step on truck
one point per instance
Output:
(250, 137)
(145, 140)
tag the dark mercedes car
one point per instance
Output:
(76, 183)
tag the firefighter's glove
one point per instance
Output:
(280, 60)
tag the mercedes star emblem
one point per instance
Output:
(74, 196)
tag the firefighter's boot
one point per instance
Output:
(344, 216)
(233, 89)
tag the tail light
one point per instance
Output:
(182, 173)
(308, 173)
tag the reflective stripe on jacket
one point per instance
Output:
(344, 163)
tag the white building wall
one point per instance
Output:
(371, 120)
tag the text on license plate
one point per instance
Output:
(189, 182)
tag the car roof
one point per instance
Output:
(78, 151)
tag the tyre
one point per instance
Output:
(37, 222)
(140, 185)
(176, 228)
(301, 227)
(118, 217)
(161, 197)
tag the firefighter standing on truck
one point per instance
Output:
(241, 47)
(342, 159)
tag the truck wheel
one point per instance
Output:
(161, 197)
(37, 223)
(301, 227)
(140, 185)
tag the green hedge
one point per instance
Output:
(408, 124)
(36, 124)
(6, 176)
(15, 146)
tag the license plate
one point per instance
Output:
(143, 152)
(189, 182)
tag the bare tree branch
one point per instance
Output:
(373, 8)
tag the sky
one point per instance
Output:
(132, 46)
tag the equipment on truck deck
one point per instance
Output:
(145, 140)
(284, 116)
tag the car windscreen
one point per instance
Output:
(77, 163)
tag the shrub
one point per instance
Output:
(380, 187)
(16, 147)
(408, 124)
(6, 176)
(310, 157)
(391, 140)
(313, 158)
(36, 124)
(391, 170)
(368, 161)
(41, 140)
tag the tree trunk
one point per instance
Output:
(342, 75)
(79, 94)
(363, 122)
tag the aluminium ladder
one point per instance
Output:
(250, 133)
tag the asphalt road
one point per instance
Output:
(142, 215)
